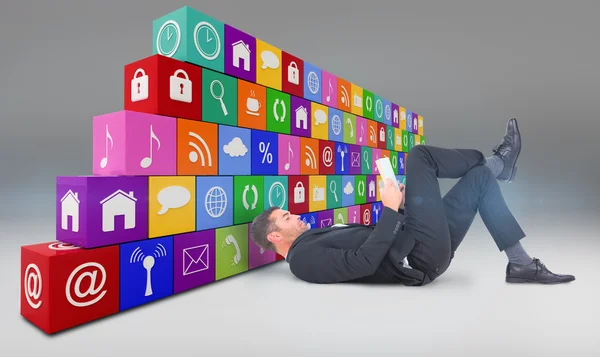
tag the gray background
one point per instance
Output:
(466, 66)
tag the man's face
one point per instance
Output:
(288, 226)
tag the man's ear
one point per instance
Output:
(274, 237)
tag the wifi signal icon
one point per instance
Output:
(311, 159)
(197, 152)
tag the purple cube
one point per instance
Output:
(354, 154)
(194, 260)
(240, 54)
(371, 188)
(95, 211)
(301, 123)
(258, 257)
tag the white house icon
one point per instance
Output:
(118, 203)
(372, 189)
(241, 51)
(69, 207)
(301, 117)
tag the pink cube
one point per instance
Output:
(134, 143)
(354, 214)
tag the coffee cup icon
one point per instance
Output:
(252, 106)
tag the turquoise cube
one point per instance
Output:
(190, 36)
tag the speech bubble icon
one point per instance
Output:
(173, 197)
(269, 60)
(320, 116)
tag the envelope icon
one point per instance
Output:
(195, 259)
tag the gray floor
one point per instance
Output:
(267, 312)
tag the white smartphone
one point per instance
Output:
(386, 171)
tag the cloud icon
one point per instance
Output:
(348, 189)
(235, 148)
(320, 117)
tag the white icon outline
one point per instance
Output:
(221, 191)
(196, 152)
(33, 292)
(209, 27)
(203, 263)
(177, 41)
(92, 289)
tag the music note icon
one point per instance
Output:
(290, 155)
(147, 161)
(104, 160)
(330, 90)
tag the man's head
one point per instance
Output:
(276, 229)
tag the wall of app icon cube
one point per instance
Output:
(217, 126)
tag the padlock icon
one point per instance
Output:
(293, 73)
(181, 88)
(381, 135)
(139, 86)
(299, 193)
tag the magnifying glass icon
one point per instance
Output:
(332, 187)
(366, 158)
(218, 97)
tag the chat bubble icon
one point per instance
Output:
(269, 60)
(173, 197)
(320, 117)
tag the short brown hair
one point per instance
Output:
(262, 225)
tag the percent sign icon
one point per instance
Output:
(264, 149)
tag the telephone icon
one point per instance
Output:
(349, 121)
(238, 254)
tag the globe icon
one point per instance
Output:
(215, 202)
(336, 124)
(313, 82)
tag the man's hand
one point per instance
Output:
(391, 197)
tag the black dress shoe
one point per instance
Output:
(535, 272)
(508, 150)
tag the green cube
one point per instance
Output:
(219, 98)
(394, 161)
(231, 251)
(368, 104)
(278, 111)
(248, 196)
(360, 189)
(349, 128)
(366, 161)
(334, 191)
(340, 215)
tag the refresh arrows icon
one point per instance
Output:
(245, 197)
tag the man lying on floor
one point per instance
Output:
(413, 244)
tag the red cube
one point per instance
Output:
(164, 86)
(382, 136)
(63, 286)
(327, 154)
(365, 214)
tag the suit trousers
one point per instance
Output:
(438, 224)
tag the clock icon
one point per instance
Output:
(277, 195)
(207, 40)
(378, 108)
(168, 38)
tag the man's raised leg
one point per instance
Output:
(425, 215)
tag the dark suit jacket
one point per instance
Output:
(355, 253)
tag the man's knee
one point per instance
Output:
(482, 174)
(417, 154)
(418, 150)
